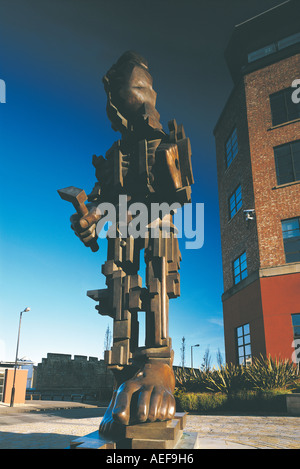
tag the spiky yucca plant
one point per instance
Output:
(268, 373)
(263, 374)
(227, 379)
(188, 379)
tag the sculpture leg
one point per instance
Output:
(145, 382)
(121, 301)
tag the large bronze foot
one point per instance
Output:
(108, 426)
(148, 396)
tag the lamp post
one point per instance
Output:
(197, 345)
(16, 360)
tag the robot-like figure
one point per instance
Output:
(147, 165)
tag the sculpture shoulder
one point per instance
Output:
(172, 168)
(111, 169)
(178, 137)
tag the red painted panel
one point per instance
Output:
(242, 308)
(280, 299)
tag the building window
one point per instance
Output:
(274, 47)
(288, 41)
(235, 201)
(259, 53)
(240, 268)
(231, 148)
(296, 325)
(283, 109)
(287, 160)
(291, 239)
(243, 344)
(296, 336)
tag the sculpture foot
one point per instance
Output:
(148, 396)
(108, 426)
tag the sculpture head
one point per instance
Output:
(131, 99)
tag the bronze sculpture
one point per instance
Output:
(150, 166)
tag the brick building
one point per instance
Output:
(258, 163)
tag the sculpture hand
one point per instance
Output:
(85, 227)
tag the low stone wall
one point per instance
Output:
(62, 377)
(293, 404)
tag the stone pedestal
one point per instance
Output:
(157, 435)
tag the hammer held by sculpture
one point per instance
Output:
(150, 166)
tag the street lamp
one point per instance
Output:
(197, 345)
(16, 360)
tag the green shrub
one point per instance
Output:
(256, 400)
(211, 401)
(241, 401)
(199, 402)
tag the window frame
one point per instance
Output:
(296, 325)
(291, 154)
(229, 157)
(287, 240)
(241, 271)
(243, 340)
(236, 207)
(286, 93)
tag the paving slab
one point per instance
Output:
(247, 431)
(51, 425)
(39, 405)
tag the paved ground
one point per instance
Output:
(53, 425)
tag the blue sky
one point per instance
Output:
(53, 55)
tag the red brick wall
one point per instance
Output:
(272, 204)
(248, 108)
(268, 302)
